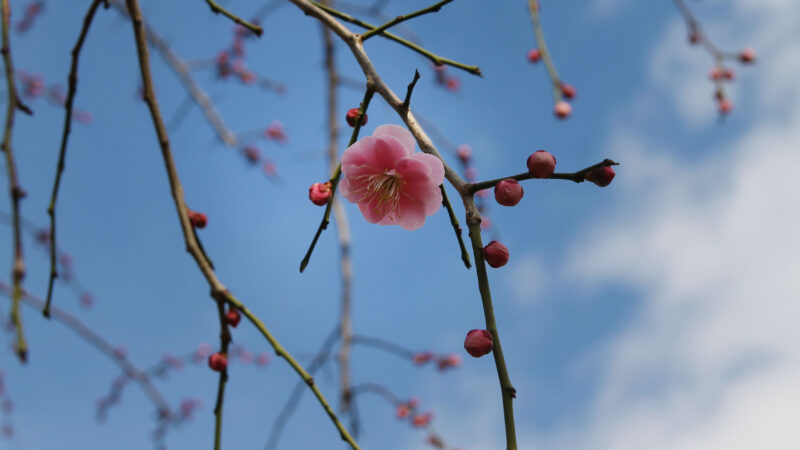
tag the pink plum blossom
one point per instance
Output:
(391, 184)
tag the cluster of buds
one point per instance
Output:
(420, 420)
(33, 87)
(442, 78)
(227, 66)
(31, 12)
(443, 362)
(188, 407)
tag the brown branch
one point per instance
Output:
(216, 9)
(72, 80)
(578, 177)
(403, 18)
(15, 191)
(218, 291)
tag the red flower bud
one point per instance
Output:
(320, 193)
(233, 317)
(562, 109)
(422, 358)
(422, 420)
(541, 164)
(508, 192)
(747, 56)
(478, 343)
(452, 84)
(403, 411)
(352, 117)
(218, 362)
(534, 55)
(602, 176)
(198, 219)
(496, 254)
(568, 91)
(715, 74)
(251, 154)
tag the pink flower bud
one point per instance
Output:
(352, 117)
(452, 84)
(602, 176)
(422, 358)
(471, 173)
(747, 56)
(198, 219)
(715, 74)
(478, 343)
(422, 420)
(402, 411)
(320, 193)
(464, 153)
(448, 362)
(534, 55)
(233, 317)
(541, 164)
(724, 105)
(496, 254)
(263, 359)
(568, 91)
(218, 362)
(508, 192)
(562, 109)
(727, 74)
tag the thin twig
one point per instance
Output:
(224, 342)
(218, 291)
(456, 227)
(15, 191)
(533, 6)
(436, 59)
(72, 80)
(577, 177)
(403, 18)
(216, 9)
(410, 90)
(334, 180)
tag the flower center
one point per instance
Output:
(384, 188)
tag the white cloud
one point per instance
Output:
(712, 358)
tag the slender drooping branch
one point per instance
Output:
(403, 18)
(72, 80)
(456, 227)
(472, 214)
(436, 59)
(578, 177)
(103, 346)
(342, 225)
(216, 9)
(334, 180)
(507, 389)
(14, 188)
(218, 290)
(533, 6)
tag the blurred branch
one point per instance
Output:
(14, 188)
(218, 291)
(72, 80)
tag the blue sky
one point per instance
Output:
(654, 313)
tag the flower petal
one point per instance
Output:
(411, 213)
(437, 168)
(400, 133)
